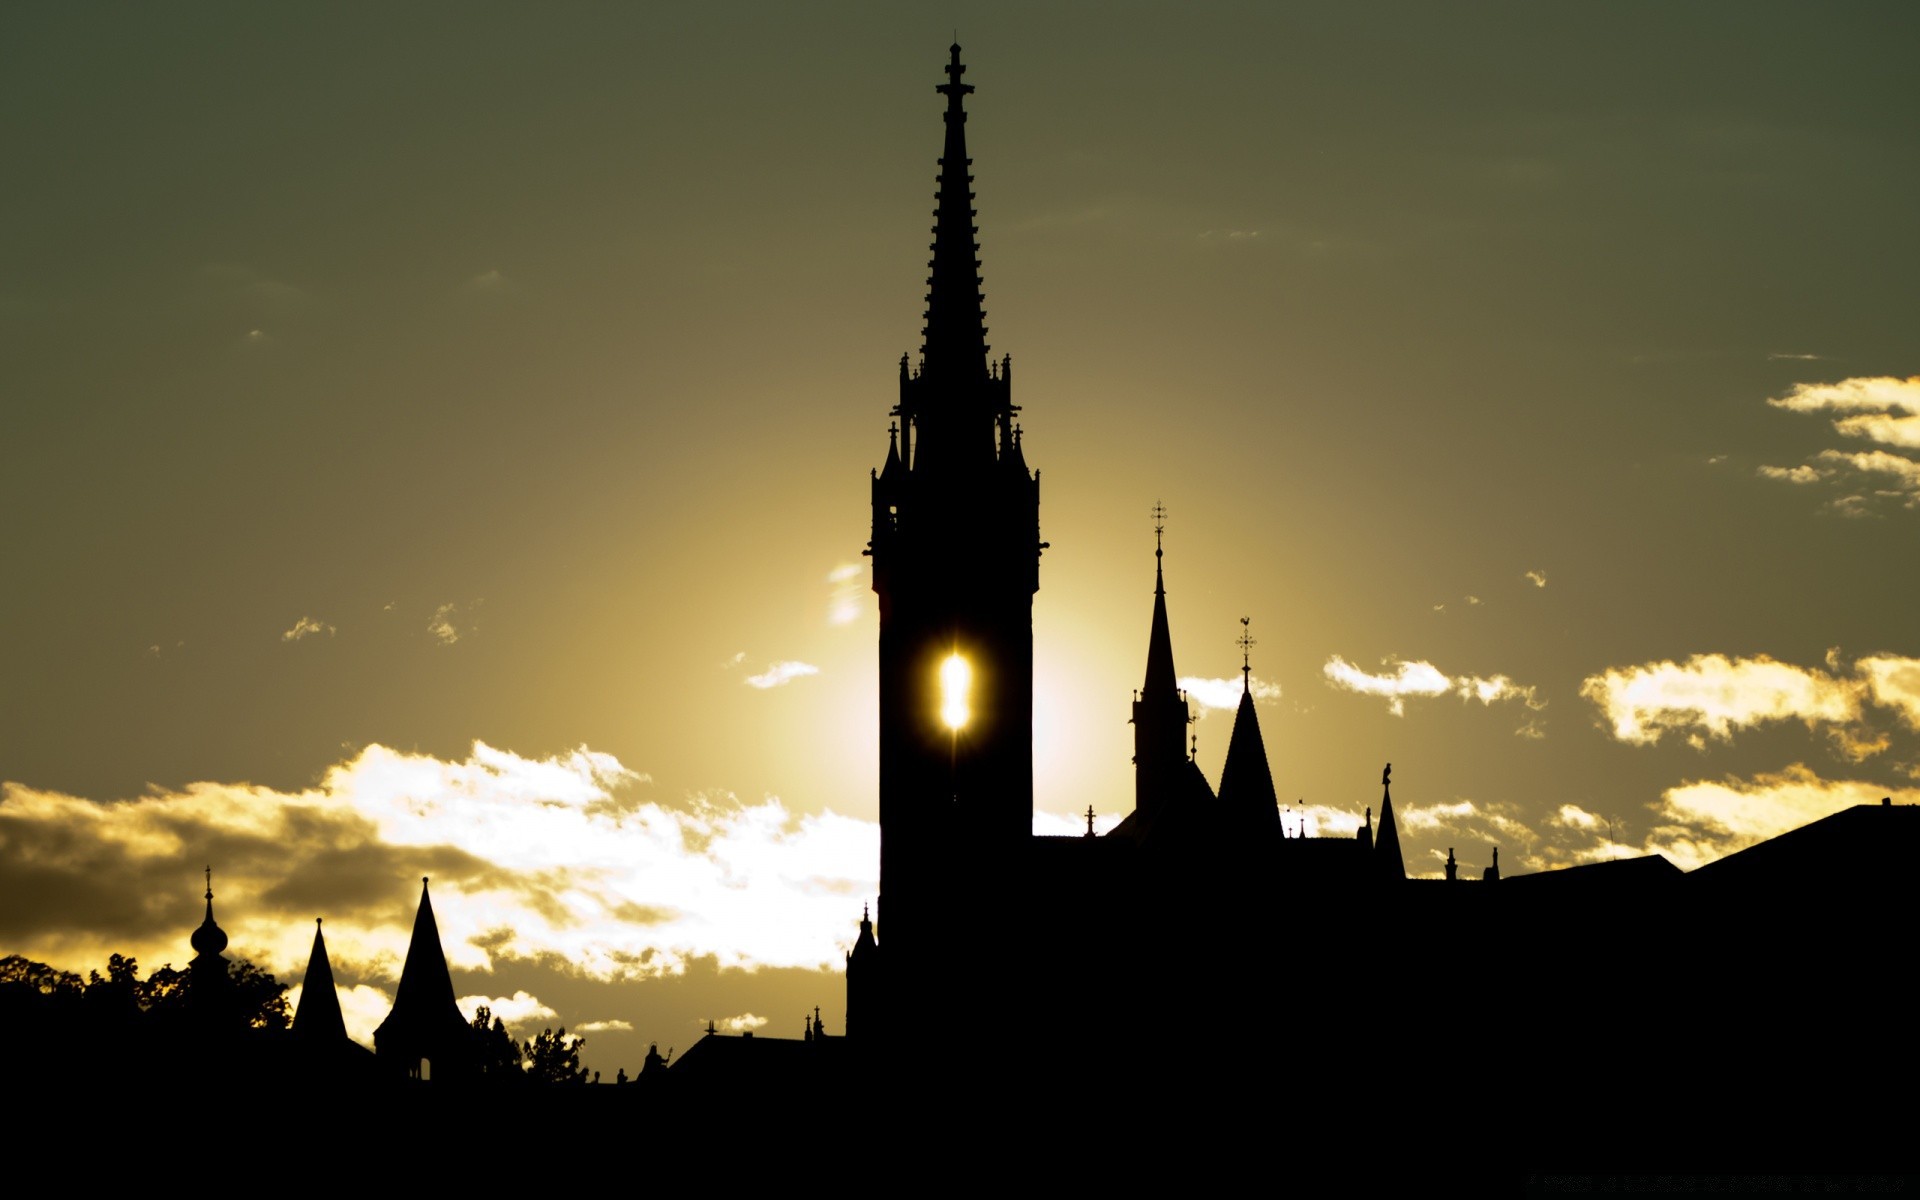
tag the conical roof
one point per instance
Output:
(318, 1018)
(423, 1007)
(1246, 781)
(1386, 840)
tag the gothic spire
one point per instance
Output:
(956, 331)
(1160, 682)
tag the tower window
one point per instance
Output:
(956, 680)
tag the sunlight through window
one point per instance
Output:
(955, 678)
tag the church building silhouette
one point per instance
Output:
(1200, 974)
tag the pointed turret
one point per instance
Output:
(864, 1001)
(1386, 842)
(318, 1018)
(1246, 781)
(1160, 709)
(425, 1023)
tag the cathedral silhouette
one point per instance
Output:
(1200, 976)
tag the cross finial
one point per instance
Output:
(209, 883)
(1159, 514)
(1246, 643)
(1089, 820)
(1193, 746)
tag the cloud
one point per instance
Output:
(1775, 357)
(1420, 679)
(1881, 409)
(362, 1007)
(1799, 474)
(532, 859)
(1894, 682)
(1712, 695)
(1224, 693)
(442, 627)
(517, 1009)
(744, 1023)
(781, 673)
(306, 626)
(488, 281)
(1703, 820)
(605, 1027)
(1537, 578)
(844, 602)
(1574, 817)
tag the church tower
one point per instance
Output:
(956, 553)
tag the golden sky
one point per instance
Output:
(440, 446)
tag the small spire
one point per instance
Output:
(1246, 644)
(1159, 514)
(1089, 820)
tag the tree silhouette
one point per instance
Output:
(555, 1058)
(258, 998)
(496, 1051)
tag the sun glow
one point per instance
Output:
(956, 677)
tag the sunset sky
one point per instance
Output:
(436, 442)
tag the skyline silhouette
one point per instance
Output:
(1684, 708)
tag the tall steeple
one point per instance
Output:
(1160, 709)
(956, 332)
(956, 562)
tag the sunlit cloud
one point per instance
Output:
(1880, 409)
(1776, 357)
(614, 1026)
(1800, 474)
(1708, 819)
(1423, 679)
(488, 281)
(844, 603)
(559, 858)
(515, 1010)
(1225, 693)
(744, 1023)
(1537, 578)
(781, 673)
(443, 626)
(362, 1007)
(1712, 696)
(306, 627)
(1574, 817)
(1894, 682)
